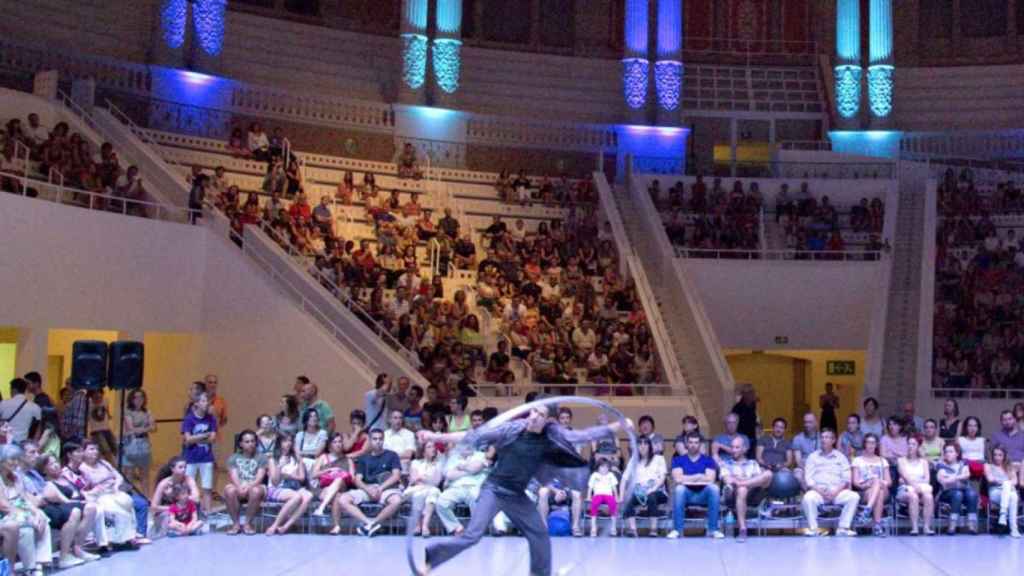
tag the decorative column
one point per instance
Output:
(635, 65)
(880, 64)
(414, 51)
(848, 69)
(169, 44)
(208, 17)
(668, 66)
(447, 51)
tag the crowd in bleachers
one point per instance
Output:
(67, 158)
(707, 221)
(979, 275)
(548, 303)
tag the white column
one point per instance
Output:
(880, 67)
(32, 351)
(447, 52)
(414, 51)
(668, 66)
(209, 20)
(848, 69)
(635, 63)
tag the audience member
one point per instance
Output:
(1002, 489)
(693, 479)
(199, 433)
(743, 482)
(828, 480)
(953, 477)
(247, 471)
(872, 479)
(915, 487)
(287, 486)
(377, 480)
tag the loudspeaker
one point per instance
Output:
(126, 363)
(88, 365)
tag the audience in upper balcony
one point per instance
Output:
(258, 142)
(408, 164)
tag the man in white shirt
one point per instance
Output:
(19, 411)
(35, 132)
(827, 475)
(399, 439)
(584, 338)
(464, 473)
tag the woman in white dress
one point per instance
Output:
(287, 485)
(424, 482)
(103, 487)
(915, 487)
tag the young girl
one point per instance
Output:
(138, 424)
(171, 476)
(1002, 488)
(601, 490)
(247, 471)
(331, 474)
(99, 425)
(458, 421)
(184, 513)
(287, 485)
(871, 478)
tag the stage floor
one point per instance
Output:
(303, 555)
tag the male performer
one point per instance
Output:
(527, 447)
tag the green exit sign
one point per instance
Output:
(841, 368)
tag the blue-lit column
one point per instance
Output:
(635, 64)
(169, 45)
(209, 24)
(447, 52)
(414, 51)
(880, 64)
(668, 66)
(848, 69)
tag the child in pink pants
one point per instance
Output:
(602, 490)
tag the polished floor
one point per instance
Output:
(302, 555)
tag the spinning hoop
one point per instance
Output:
(628, 475)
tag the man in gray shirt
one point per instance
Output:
(774, 451)
(1010, 438)
(804, 444)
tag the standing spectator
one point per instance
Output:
(19, 411)
(376, 402)
(138, 424)
(73, 418)
(827, 475)
(196, 197)
(99, 425)
(746, 409)
(199, 432)
(829, 403)
(323, 409)
(35, 388)
(693, 479)
(744, 482)
(218, 406)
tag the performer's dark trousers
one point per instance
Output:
(519, 509)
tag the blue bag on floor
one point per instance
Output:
(559, 523)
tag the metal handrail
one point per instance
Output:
(939, 391)
(97, 199)
(754, 254)
(151, 145)
(584, 389)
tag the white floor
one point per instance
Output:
(321, 555)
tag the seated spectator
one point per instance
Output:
(954, 477)
(247, 471)
(311, 440)
(915, 487)
(773, 449)
(449, 226)
(894, 443)
(743, 482)
(521, 187)
(171, 477)
(804, 444)
(184, 514)
(238, 145)
(557, 494)
(129, 187)
(1002, 489)
(275, 181)
(931, 444)
(322, 216)
(603, 490)
(465, 469)
(973, 446)
(11, 168)
(25, 529)
(346, 188)
(258, 143)
(646, 428)
(827, 477)
(280, 147)
(693, 481)
(425, 475)
(872, 479)
(74, 518)
(287, 485)
(377, 480)
(408, 166)
(1009, 438)
(102, 485)
(649, 491)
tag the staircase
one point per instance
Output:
(693, 341)
(902, 348)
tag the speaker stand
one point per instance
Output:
(120, 436)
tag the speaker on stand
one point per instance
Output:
(88, 371)
(127, 360)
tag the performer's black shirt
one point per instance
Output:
(518, 461)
